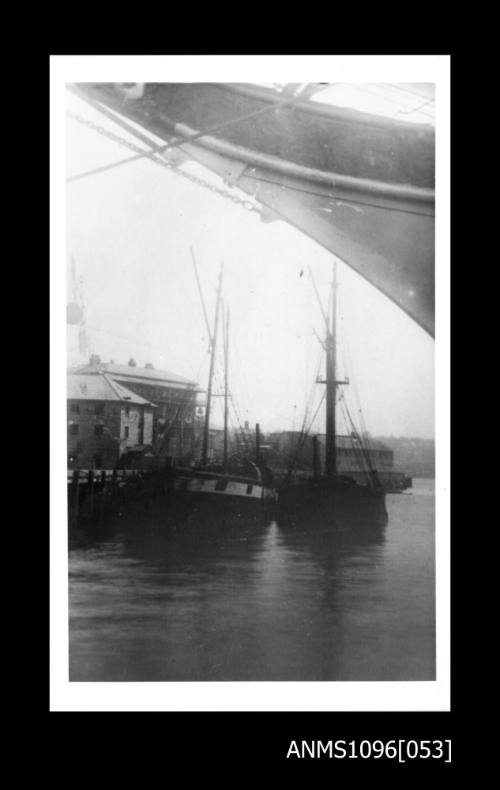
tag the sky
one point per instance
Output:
(129, 232)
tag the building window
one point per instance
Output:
(75, 408)
(98, 430)
(126, 432)
(127, 411)
(74, 429)
(97, 461)
(99, 408)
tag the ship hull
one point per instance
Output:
(360, 185)
(331, 504)
(204, 501)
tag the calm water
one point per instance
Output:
(273, 604)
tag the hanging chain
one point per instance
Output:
(158, 159)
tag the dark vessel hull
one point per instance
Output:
(204, 500)
(333, 503)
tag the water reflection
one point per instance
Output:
(266, 603)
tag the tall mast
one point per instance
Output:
(331, 383)
(211, 372)
(226, 386)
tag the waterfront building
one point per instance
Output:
(176, 419)
(106, 421)
(352, 459)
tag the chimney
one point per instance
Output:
(132, 363)
(149, 366)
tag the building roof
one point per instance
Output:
(99, 386)
(137, 374)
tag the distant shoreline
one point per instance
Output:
(412, 455)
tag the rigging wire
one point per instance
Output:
(416, 109)
(309, 400)
(386, 98)
(202, 299)
(244, 202)
(187, 138)
(360, 461)
(246, 440)
(241, 386)
(362, 448)
(348, 369)
(362, 453)
(397, 86)
(128, 338)
(306, 433)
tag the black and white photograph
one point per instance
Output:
(249, 383)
